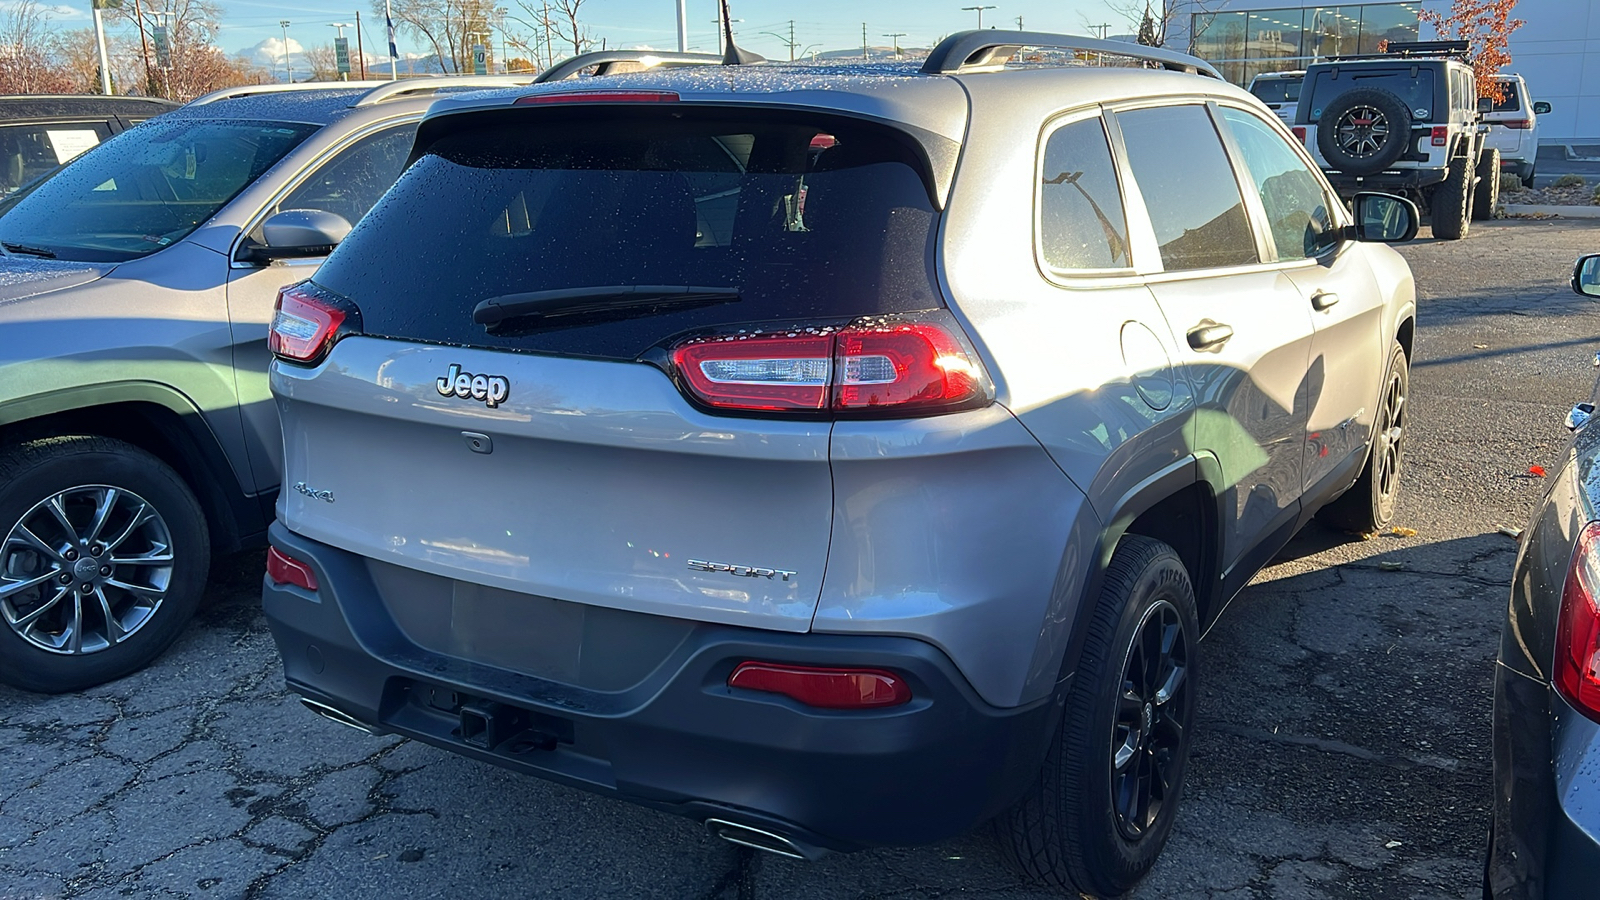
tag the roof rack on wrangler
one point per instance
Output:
(1413, 50)
(988, 51)
(377, 92)
(611, 62)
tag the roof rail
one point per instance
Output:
(988, 51)
(249, 90)
(612, 62)
(387, 90)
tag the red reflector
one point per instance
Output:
(1300, 133)
(1578, 628)
(598, 97)
(302, 326)
(284, 569)
(1440, 132)
(824, 688)
(894, 365)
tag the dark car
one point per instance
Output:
(40, 132)
(1545, 836)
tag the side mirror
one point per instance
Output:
(300, 233)
(1540, 108)
(1586, 275)
(1485, 105)
(1385, 218)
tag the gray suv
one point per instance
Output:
(137, 435)
(837, 456)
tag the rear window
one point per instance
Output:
(1277, 90)
(1509, 101)
(1416, 92)
(801, 218)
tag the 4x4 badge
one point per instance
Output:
(492, 390)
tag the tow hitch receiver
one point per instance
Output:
(488, 725)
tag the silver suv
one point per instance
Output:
(137, 282)
(837, 456)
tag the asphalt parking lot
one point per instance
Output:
(1343, 746)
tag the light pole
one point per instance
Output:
(683, 26)
(894, 39)
(787, 42)
(288, 71)
(979, 10)
(343, 76)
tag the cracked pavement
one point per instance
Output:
(1342, 745)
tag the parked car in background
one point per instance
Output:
(838, 457)
(1407, 121)
(1514, 127)
(1544, 841)
(40, 132)
(1280, 91)
(136, 287)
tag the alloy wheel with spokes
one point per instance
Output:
(1363, 130)
(1390, 443)
(85, 569)
(1147, 737)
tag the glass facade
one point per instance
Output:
(1245, 43)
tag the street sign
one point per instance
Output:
(480, 59)
(341, 54)
(163, 50)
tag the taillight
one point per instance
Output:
(824, 688)
(883, 365)
(597, 97)
(285, 569)
(1519, 124)
(304, 324)
(1577, 668)
(1300, 133)
(1440, 133)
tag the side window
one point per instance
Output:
(1081, 221)
(28, 151)
(352, 182)
(1189, 188)
(1296, 205)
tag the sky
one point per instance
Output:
(251, 26)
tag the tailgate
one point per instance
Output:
(591, 481)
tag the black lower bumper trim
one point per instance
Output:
(680, 740)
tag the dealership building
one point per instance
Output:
(1557, 51)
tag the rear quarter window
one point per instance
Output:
(1082, 225)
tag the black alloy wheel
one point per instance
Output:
(1148, 737)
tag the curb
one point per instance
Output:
(1565, 212)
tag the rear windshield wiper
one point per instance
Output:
(25, 250)
(606, 298)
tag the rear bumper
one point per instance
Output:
(1522, 168)
(1348, 185)
(679, 739)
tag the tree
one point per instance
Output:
(449, 27)
(28, 52)
(1147, 29)
(324, 62)
(1486, 26)
(1150, 20)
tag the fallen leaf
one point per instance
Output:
(1536, 471)
(1480, 346)
(1397, 531)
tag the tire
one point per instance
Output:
(1528, 181)
(1486, 196)
(106, 621)
(1066, 831)
(1369, 504)
(1364, 131)
(1451, 202)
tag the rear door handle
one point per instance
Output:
(1209, 335)
(1323, 299)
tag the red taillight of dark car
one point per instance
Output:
(304, 324)
(1577, 667)
(824, 688)
(888, 366)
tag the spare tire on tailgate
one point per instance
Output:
(1363, 131)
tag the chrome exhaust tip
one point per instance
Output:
(759, 839)
(343, 718)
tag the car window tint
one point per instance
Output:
(353, 181)
(1296, 205)
(1188, 188)
(28, 151)
(1416, 92)
(1508, 101)
(1082, 224)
